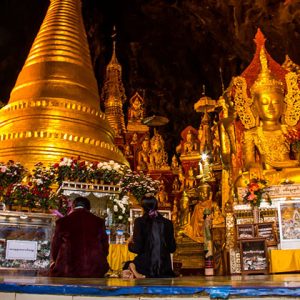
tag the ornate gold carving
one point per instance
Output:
(265, 80)
(158, 156)
(292, 99)
(290, 66)
(113, 94)
(243, 102)
(272, 145)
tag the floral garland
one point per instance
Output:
(71, 169)
(10, 173)
(256, 192)
(138, 184)
(35, 190)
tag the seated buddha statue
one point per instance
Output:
(265, 147)
(158, 156)
(162, 196)
(190, 145)
(194, 229)
(135, 110)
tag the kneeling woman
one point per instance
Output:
(153, 241)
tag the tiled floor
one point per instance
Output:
(250, 287)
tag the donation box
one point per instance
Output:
(25, 242)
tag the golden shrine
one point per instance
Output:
(54, 108)
(245, 135)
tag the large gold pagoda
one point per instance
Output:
(54, 108)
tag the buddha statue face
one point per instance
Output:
(269, 105)
(146, 144)
(204, 192)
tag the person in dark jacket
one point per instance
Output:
(153, 241)
(80, 244)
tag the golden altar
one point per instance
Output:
(284, 261)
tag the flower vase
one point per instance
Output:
(255, 212)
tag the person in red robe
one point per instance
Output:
(80, 244)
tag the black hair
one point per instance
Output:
(82, 201)
(156, 238)
(149, 203)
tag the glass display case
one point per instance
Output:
(245, 231)
(268, 231)
(25, 242)
(254, 258)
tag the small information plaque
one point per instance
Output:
(20, 249)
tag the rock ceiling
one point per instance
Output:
(168, 49)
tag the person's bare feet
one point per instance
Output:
(135, 272)
(127, 274)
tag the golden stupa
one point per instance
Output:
(54, 108)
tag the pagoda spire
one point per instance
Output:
(54, 108)
(113, 93)
(59, 61)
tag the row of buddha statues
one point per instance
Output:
(247, 134)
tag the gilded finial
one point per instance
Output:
(114, 64)
(113, 92)
(259, 39)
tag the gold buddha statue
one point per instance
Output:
(191, 145)
(194, 229)
(143, 155)
(162, 196)
(266, 116)
(158, 156)
(135, 110)
(184, 211)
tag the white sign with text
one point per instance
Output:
(277, 191)
(20, 249)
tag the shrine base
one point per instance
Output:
(202, 287)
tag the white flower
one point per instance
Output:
(125, 199)
(3, 169)
(39, 182)
(120, 217)
(116, 208)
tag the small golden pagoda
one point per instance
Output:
(113, 95)
(53, 110)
